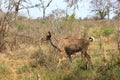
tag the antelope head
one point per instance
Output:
(46, 37)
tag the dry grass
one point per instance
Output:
(30, 57)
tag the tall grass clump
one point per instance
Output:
(38, 59)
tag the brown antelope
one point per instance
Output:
(68, 46)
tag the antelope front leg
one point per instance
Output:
(62, 58)
(87, 56)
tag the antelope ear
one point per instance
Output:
(49, 32)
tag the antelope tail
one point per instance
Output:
(91, 39)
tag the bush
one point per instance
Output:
(106, 30)
(70, 17)
(38, 59)
(22, 25)
(23, 69)
(96, 32)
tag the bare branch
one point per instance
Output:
(44, 6)
(49, 3)
(102, 7)
(28, 7)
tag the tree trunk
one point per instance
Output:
(108, 13)
(44, 9)
(102, 14)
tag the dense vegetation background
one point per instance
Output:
(24, 56)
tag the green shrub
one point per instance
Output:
(70, 17)
(4, 70)
(22, 26)
(23, 69)
(79, 74)
(96, 32)
(106, 30)
(28, 76)
(50, 75)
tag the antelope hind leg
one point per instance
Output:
(89, 59)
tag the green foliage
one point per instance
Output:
(96, 32)
(51, 75)
(23, 69)
(106, 72)
(101, 14)
(78, 74)
(106, 30)
(27, 76)
(4, 70)
(21, 25)
(45, 60)
(70, 17)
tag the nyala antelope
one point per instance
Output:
(68, 46)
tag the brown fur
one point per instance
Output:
(68, 46)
